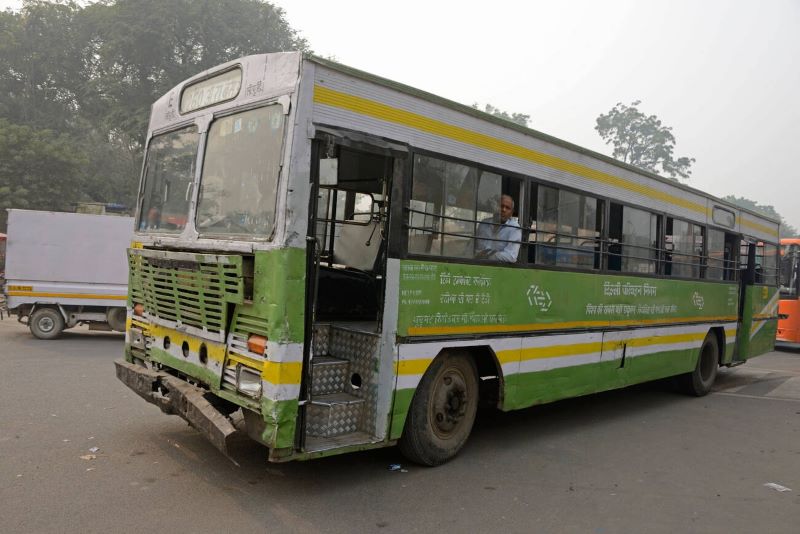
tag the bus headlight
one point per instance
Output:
(248, 381)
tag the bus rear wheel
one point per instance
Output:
(442, 411)
(700, 381)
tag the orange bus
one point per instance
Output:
(789, 308)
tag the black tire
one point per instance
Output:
(46, 323)
(700, 381)
(116, 319)
(442, 411)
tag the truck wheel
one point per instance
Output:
(700, 381)
(116, 318)
(442, 411)
(46, 323)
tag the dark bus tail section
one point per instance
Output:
(788, 335)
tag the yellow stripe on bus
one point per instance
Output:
(412, 367)
(420, 365)
(249, 362)
(371, 108)
(215, 351)
(278, 373)
(559, 351)
(756, 226)
(287, 373)
(66, 295)
(486, 329)
(665, 340)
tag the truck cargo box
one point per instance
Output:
(70, 262)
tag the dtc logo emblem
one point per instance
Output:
(698, 300)
(539, 298)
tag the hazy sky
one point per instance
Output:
(719, 72)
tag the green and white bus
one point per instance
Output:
(330, 261)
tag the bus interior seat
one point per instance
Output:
(357, 245)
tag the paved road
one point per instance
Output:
(643, 459)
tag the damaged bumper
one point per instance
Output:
(177, 397)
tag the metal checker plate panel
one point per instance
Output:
(321, 337)
(361, 350)
(333, 420)
(330, 375)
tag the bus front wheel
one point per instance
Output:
(442, 411)
(700, 381)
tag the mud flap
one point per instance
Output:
(176, 397)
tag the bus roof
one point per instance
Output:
(164, 114)
(350, 71)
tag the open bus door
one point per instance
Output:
(758, 303)
(346, 266)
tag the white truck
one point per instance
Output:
(67, 269)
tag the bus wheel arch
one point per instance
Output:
(490, 376)
(719, 333)
(700, 381)
(443, 409)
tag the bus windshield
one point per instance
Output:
(238, 187)
(169, 171)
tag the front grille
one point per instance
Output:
(250, 324)
(191, 289)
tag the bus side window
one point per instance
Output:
(496, 239)
(685, 241)
(452, 204)
(633, 240)
(425, 217)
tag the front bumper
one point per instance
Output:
(176, 397)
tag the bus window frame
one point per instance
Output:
(408, 196)
(776, 274)
(659, 248)
(153, 134)
(702, 265)
(601, 239)
(402, 226)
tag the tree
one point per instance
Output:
(642, 141)
(142, 48)
(787, 230)
(40, 64)
(86, 75)
(518, 118)
(39, 169)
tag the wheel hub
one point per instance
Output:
(46, 324)
(449, 403)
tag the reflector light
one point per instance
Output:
(257, 344)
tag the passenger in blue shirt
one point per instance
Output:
(499, 239)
